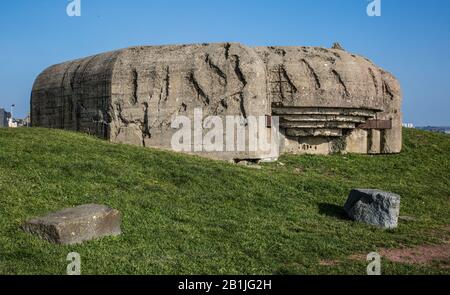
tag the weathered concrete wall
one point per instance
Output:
(75, 95)
(132, 95)
(344, 90)
(152, 85)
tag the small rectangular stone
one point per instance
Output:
(76, 225)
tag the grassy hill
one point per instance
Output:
(188, 215)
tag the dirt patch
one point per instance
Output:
(419, 255)
(358, 257)
(438, 255)
(422, 255)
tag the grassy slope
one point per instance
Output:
(186, 215)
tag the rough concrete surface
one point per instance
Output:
(321, 95)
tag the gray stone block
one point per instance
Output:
(374, 207)
(76, 225)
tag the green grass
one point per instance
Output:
(188, 215)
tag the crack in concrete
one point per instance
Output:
(341, 83)
(313, 74)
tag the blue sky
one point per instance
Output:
(411, 38)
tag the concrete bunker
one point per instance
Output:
(327, 100)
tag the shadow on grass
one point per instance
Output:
(333, 211)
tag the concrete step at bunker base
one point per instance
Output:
(316, 125)
(324, 118)
(326, 132)
(321, 121)
(366, 113)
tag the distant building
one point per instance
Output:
(12, 123)
(22, 122)
(4, 118)
(442, 129)
(27, 121)
(408, 125)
